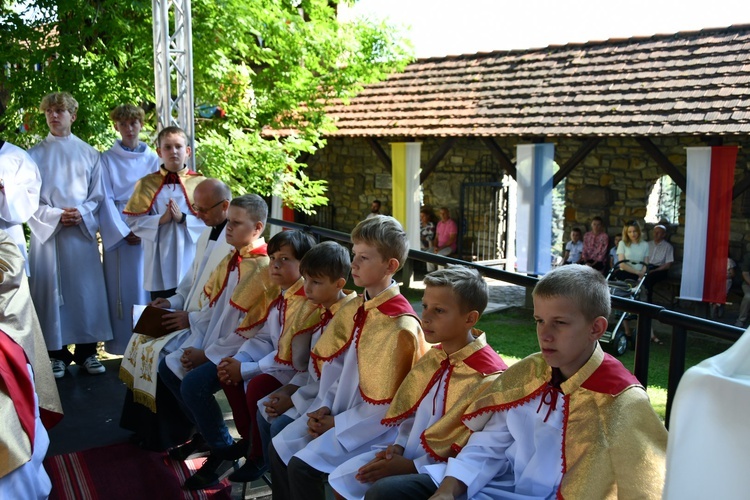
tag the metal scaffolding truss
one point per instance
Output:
(173, 64)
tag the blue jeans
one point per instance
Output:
(195, 393)
(268, 431)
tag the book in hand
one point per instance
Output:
(147, 320)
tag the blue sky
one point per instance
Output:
(442, 27)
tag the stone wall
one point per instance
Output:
(613, 181)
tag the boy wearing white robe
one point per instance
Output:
(123, 165)
(161, 213)
(325, 268)
(367, 350)
(67, 280)
(432, 399)
(235, 300)
(266, 361)
(569, 422)
(20, 183)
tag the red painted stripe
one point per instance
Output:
(723, 159)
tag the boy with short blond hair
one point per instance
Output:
(234, 304)
(128, 160)
(432, 399)
(569, 422)
(67, 281)
(161, 213)
(362, 358)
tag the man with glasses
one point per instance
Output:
(168, 426)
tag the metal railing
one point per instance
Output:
(681, 323)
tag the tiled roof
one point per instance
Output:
(679, 84)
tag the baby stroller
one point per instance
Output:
(614, 339)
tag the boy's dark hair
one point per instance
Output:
(327, 259)
(385, 234)
(576, 230)
(298, 242)
(597, 218)
(254, 205)
(171, 130)
(468, 286)
(127, 112)
(584, 285)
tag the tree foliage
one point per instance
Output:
(270, 65)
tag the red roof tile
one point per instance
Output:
(685, 83)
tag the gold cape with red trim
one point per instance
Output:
(471, 370)
(390, 343)
(254, 291)
(146, 189)
(301, 338)
(299, 315)
(614, 445)
(19, 321)
(17, 407)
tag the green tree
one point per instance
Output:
(272, 66)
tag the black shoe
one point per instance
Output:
(210, 473)
(233, 452)
(195, 445)
(248, 473)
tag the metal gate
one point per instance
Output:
(483, 222)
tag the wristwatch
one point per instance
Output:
(2, 184)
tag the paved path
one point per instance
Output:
(502, 295)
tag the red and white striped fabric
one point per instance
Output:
(708, 208)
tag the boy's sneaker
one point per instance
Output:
(58, 367)
(213, 470)
(93, 366)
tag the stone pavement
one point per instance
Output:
(502, 295)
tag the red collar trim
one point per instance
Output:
(610, 378)
(486, 361)
(396, 306)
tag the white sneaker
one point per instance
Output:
(58, 368)
(93, 366)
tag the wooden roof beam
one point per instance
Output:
(662, 161)
(380, 152)
(741, 186)
(437, 158)
(587, 146)
(500, 156)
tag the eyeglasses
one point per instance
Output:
(206, 210)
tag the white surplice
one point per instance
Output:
(208, 254)
(67, 280)
(308, 385)
(258, 354)
(123, 263)
(510, 454)
(168, 249)
(210, 325)
(429, 411)
(357, 423)
(20, 197)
